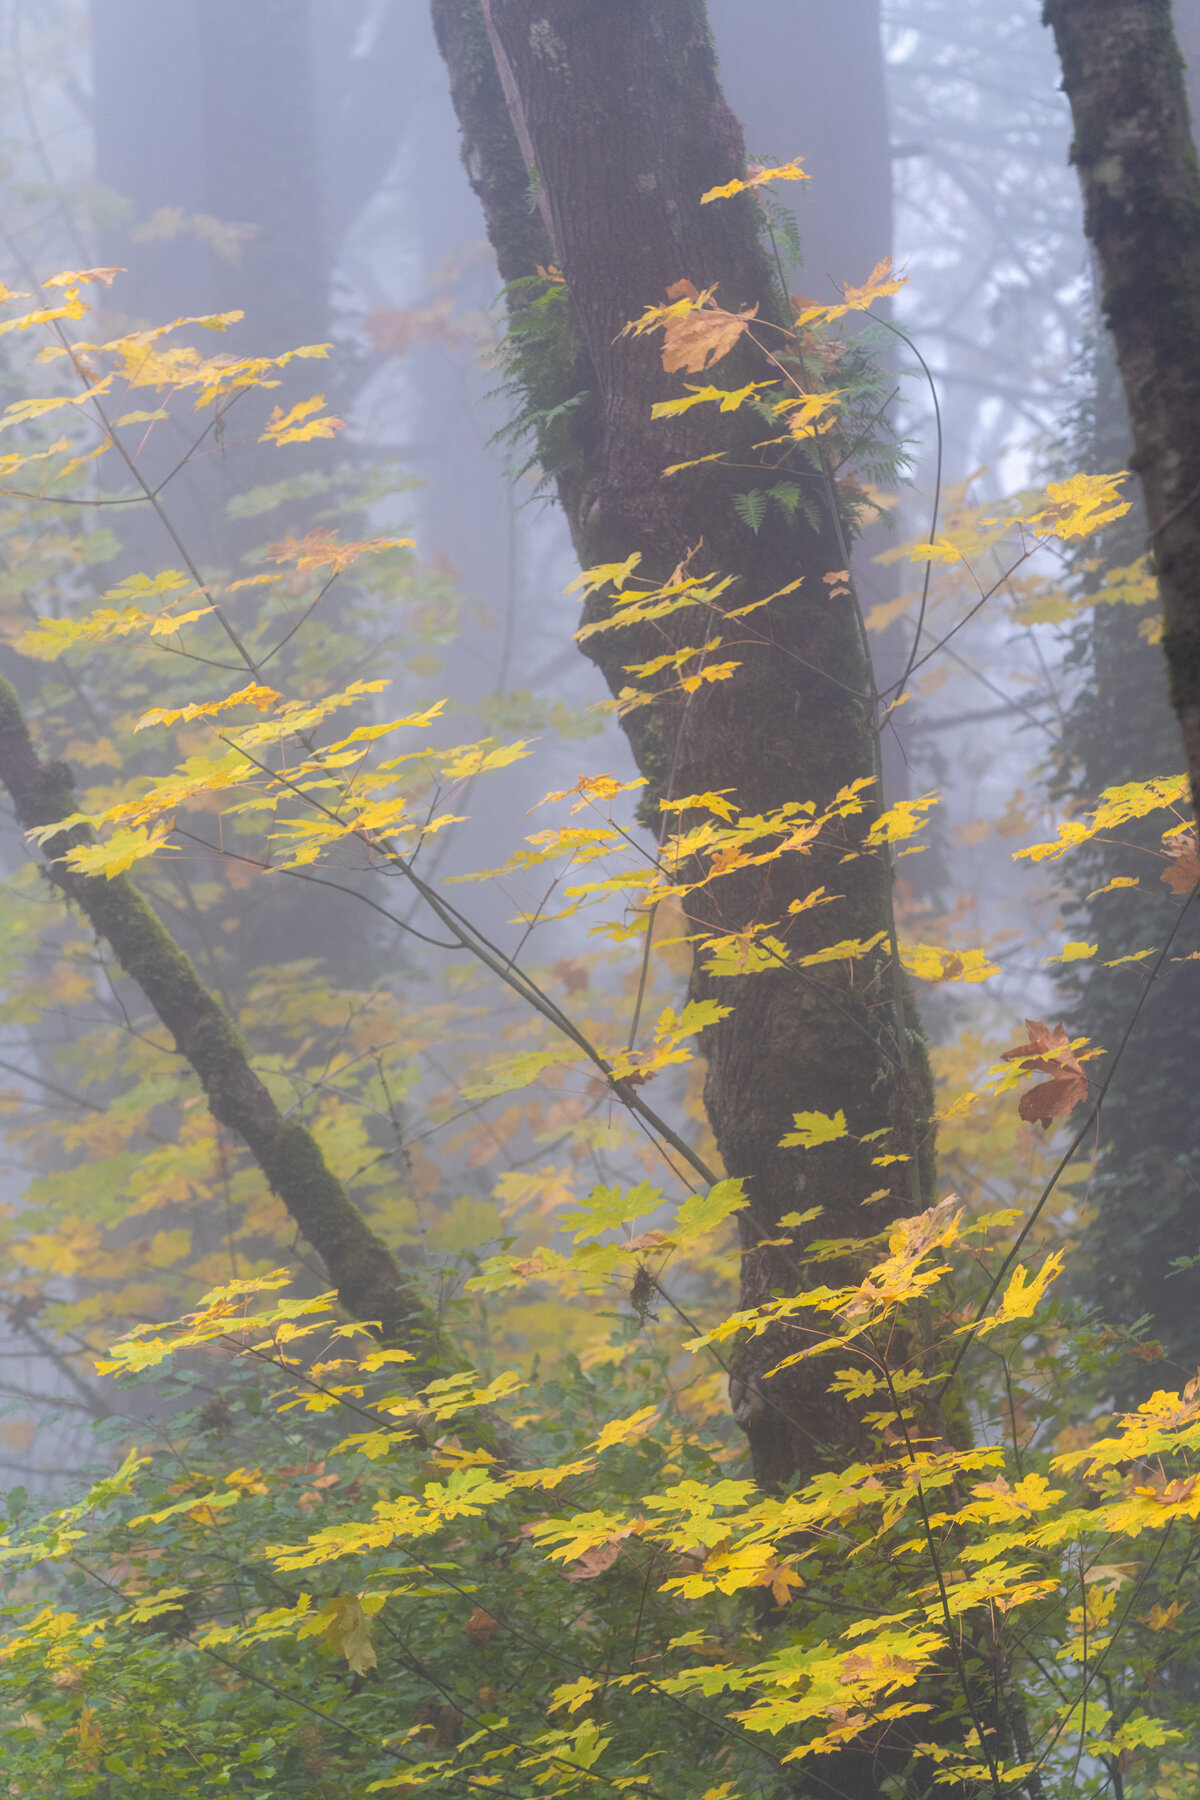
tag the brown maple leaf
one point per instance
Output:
(1048, 1053)
(701, 338)
(1183, 871)
(481, 1628)
(600, 1557)
(572, 974)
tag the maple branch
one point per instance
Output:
(369, 1282)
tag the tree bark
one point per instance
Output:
(628, 127)
(1137, 163)
(370, 1284)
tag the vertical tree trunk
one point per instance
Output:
(808, 80)
(627, 127)
(210, 109)
(260, 146)
(205, 122)
(1123, 75)
(1186, 15)
(1145, 1192)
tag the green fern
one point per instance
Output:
(751, 508)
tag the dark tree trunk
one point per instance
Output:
(1145, 1191)
(626, 125)
(1123, 75)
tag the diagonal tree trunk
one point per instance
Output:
(370, 1283)
(1138, 167)
(623, 120)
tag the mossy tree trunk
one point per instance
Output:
(370, 1283)
(1145, 1191)
(1137, 163)
(620, 113)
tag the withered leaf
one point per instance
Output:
(1051, 1100)
(1048, 1053)
(1183, 871)
(701, 338)
(444, 1722)
(347, 1634)
(600, 1557)
(481, 1628)
(1042, 1043)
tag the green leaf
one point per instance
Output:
(608, 1208)
(702, 1213)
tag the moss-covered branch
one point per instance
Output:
(369, 1282)
(1123, 75)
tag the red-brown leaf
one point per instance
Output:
(1042, 1041)
(481, 1628)
(600, 1557)
(1048, 1053)
(1183, 871)
(1051, 1100)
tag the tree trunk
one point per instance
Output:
(625, 124)
(1145, 1189)
(370, 1284)
(1186, 15)
(1123, 75)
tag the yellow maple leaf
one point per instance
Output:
(813, 1128)
(757, 176)
(728, 399)
(298, 425)
(255, 695)
(928, 963)
(347, 1633)
(624, 1431)
(879, 284)
(1022, 1296)
(119, 851)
